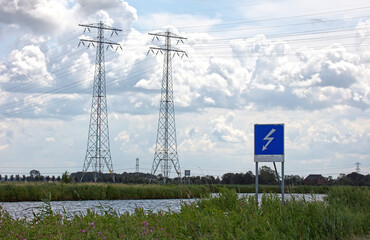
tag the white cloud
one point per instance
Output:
(161, 20)
(38, 15)
(224, 130)
(226, 85)
(209, 100)
(196, 145)
(2, 147)
(267, 73)
(123, 136)
(28, 66)
(89, 7)
(80, 68)
(58, 16)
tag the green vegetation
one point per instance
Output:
(343, 215)
(11, 192)
(37, 191)
(66, 178)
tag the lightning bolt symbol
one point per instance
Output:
(268, 138)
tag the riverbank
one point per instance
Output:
(343, 215)
(13, 192)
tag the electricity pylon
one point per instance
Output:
(137, 166)
(166, 145)
(98, 149)
(357, 167)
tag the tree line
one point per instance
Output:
(267, 176)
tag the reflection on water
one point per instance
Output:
(26, 209)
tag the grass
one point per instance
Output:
(343, 215)
(12, 192)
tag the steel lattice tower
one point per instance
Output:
(98, 149)
(137, 166)
(357, 167)
(166, 145)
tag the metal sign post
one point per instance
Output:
(269, 147)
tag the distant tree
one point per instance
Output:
(66, 178)
(340, 176)
(17, 178)
(353, 178)
(6, 178)
(218, 180)
(118, 178)
(196, 180)
(75, 179)
(53, 178)
(330, 180)
(293, 180)
(249, 177)
(35, 173)
(342, 179)
(267, 176)
(24, 178)
(365, 181)
(208, 179)
(238, 178)
(12, 177)
(226, 178)
(47, 178)
(58, 179)
(1, 177)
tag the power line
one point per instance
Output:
(268, 19)
(280, 35)
(71, 85)
(85, 91)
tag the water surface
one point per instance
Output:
(27, 209)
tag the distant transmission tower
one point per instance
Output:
(166, 146)
(357, 167)
(137, 166)
(98, 150)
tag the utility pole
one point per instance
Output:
(357, 167)
(98, 149)
(166, 145)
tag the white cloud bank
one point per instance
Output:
(322, 94)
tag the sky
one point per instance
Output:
(302, 63)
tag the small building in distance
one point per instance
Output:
(315, 179)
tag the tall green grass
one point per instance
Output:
(11, 192)
(343, 215)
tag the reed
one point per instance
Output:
(10, 192)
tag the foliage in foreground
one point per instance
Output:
(345, 213)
